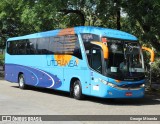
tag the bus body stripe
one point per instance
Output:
(48, 76)
(43, 78)
(32, 73)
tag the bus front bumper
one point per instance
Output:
(112, 92)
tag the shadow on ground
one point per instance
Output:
(149, 99)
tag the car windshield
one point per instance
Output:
(125, 59)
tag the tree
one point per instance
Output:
(144, 20)
(10, 24)
(20, 17)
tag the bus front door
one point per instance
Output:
(96, 72)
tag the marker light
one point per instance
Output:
(104, 40)
(118, 81)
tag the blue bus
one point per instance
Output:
(82, 60)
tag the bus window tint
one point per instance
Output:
(72, 46)
(52, 46)
(21, 45)
(77, 50)
(11, 48)
(42, 45)
(68, 45)
(58, 43)
(16, 48)
(31, 46)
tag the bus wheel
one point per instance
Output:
(21, 82)
(77, 90)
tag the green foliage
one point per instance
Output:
(1, 59)
(107, 12)
(1, 56)
(10, 21)
(20, 17)
(156, 71)
(144, 21)
(40, 15)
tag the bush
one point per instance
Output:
(156, 71)
(2, 61)
(1, 57)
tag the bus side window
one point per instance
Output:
(56, 45)
(77, 50)
(31, 46)
(42, 45)
(51, 47)
(21, 47)
(15, 48)
(10, 48)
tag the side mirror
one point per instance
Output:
(104, 48)
(151, 52)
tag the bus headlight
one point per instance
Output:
(111, 85)
(142, 86)
(107, 83)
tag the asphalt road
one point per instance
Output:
(36, 101)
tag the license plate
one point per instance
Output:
(128, 93)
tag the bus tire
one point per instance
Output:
(21, 81)
(77, 90)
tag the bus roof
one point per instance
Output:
(111, 33)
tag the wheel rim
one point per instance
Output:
(76, 90)
(21, 82)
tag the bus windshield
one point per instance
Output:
(125, 60)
